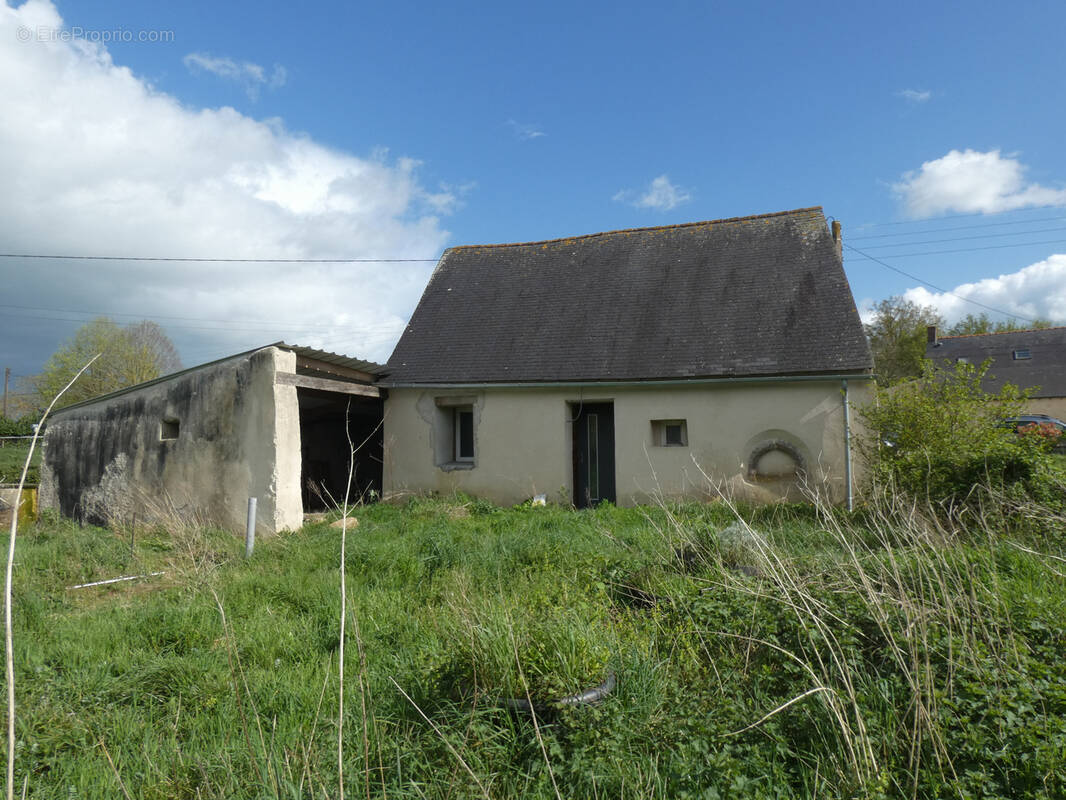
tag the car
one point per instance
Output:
(1023, 421)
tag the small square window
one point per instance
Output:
(1021, 355)
(168, 429)
(669, 432)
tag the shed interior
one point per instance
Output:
(332, 424)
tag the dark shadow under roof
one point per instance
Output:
(750, 296)
(1045, 368)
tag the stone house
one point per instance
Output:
(677, 361)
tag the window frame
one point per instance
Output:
(458, 457)
(660, 428)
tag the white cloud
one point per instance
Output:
(971, 181)
(251, 76)
(660, 195)
(1038, 290)
(525, 131)
(914, 95)
(95, 161)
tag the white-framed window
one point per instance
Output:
(669, 432)
(1021, 355)
(454, 433)
(463, 430)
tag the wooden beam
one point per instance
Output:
(303, 362)
(326, 385)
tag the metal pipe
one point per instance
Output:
(249, 532)
(847, 447)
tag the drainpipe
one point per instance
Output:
(847, 446)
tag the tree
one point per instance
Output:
(129, 356)
(940, 436)
(970, 325)
(897, 337)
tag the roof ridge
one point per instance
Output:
(639, 230)
(1001, 333)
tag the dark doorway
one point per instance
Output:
(593, 453)
(324, 448)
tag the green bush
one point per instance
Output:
(16, 427)
(940, 436)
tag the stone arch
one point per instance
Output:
(768, 446)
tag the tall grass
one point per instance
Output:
(760, 652)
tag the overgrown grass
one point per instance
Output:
(12, 458)
(770, 652)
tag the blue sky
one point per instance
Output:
(397, 129)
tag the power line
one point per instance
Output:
(266, 325)
(973, 249)
(955, 216)
(959, 228)
(228, 260)
(267, 328)
(970, 238)
(939, 289)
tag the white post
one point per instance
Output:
(249, 533)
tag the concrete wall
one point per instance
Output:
(523, 440)
(1052, 406)
(238, 436)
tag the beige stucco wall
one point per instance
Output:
(1052, 406)
(523, 439)
(239, 437)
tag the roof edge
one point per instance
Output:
(679, 226)
(1002, 333)
(862, 375)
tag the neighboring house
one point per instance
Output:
(683, 360)
(1032, 359)
(194, 446)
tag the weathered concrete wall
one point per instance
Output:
(238, 436)
(523, 440)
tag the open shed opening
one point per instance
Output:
(327, 421)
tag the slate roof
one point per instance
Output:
(1046, 368)
(748, 296)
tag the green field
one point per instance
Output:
(12, 457)
(779, 653)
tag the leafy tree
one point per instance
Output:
(897, 337)
(128, 356)
(970, 325)
(940, 435)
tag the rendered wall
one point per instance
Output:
(238, 437)
(1052, 406)
(523, 440)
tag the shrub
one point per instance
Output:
(939, 436)
(16, 427)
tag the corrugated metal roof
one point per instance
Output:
(336, 359)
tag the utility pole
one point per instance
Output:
(7, 375)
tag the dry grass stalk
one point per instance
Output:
(8, 633)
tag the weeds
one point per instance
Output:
(759, 652)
